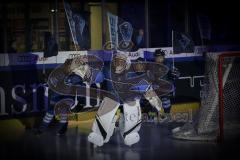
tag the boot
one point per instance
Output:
(62, 129)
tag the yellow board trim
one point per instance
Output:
(12, 129)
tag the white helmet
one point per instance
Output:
(121, 62)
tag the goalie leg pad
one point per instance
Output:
(104, 123)
(95, 139)
(131, 138)
(130, 122)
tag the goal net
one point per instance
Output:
(219, 115)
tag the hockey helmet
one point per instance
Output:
(120, 62)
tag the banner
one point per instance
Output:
(120, 33)
(78, 27)
(182, 43)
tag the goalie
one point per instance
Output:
(130, 116)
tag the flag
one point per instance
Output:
(120, 32)
(78, 26)
(182, 43)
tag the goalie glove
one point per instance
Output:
(153, 99)
(156, 102)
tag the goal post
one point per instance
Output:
(222, 80)
(220, 103)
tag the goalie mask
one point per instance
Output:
(81, 68)
(120, 63)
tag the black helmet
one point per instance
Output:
(159, 52)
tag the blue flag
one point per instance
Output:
(182, 43)
(78, 27)
(120, 32)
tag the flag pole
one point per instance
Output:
(173, 66)
(69, 25)
(172, 52)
